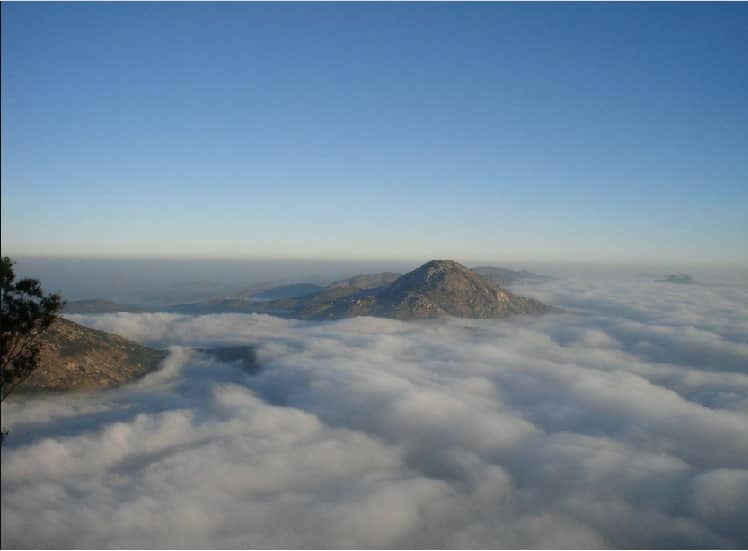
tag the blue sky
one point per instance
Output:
(573, 132)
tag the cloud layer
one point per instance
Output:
(623, 423)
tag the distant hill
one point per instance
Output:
(438, 288)
(186, 291)
(219, 306)
(505, 276)
(310, 307)
(98, 306)
(678, 278)
(366, 281)
(287, 297)
(288, 291)
(76, 358)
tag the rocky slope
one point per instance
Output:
(76, 358)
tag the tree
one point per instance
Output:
(25, 314)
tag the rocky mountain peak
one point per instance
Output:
(433, 274)
(437, 288)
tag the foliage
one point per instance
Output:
(25, 313)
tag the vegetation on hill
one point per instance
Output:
(26, 313)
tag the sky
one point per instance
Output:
(545, 132)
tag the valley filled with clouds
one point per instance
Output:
(622, 422)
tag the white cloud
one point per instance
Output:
(623, 423)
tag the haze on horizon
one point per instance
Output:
(536, 132)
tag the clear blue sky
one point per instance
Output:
(580, 132)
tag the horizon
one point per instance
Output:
(579, 132)
(133, 280)
(497, 259)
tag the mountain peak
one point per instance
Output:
(434, 289)
(432, 275)
(443, 264)
(434, 268)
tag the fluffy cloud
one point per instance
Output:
(622, 423)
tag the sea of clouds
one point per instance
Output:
(621, 423)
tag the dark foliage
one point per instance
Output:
(26, 312)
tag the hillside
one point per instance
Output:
(76, 358)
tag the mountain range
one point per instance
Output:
(437, 288)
